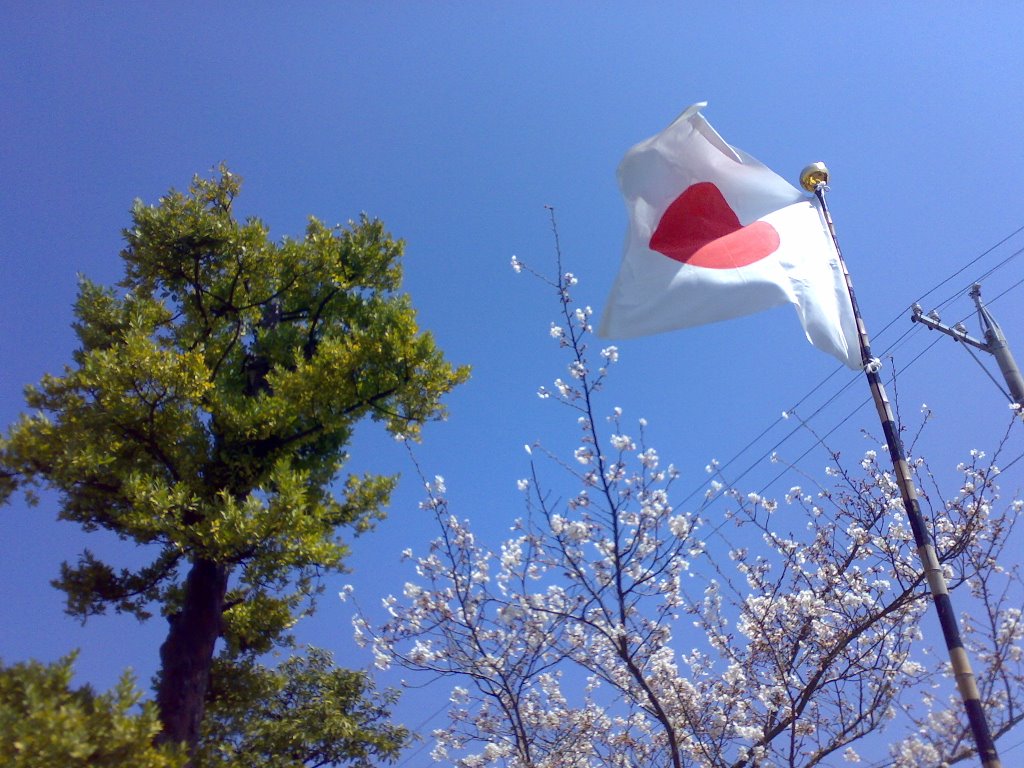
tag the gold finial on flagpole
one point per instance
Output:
(813, 175)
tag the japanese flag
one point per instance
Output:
(713, 234)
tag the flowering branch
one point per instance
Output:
(612, 629)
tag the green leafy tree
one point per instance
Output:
(206, 417)
(306, 712)
(44, 723)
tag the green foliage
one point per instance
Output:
(212, 397)
(305, 712)
(206, 416)
(44, 723)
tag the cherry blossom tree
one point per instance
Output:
(613, 628)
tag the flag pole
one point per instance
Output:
(814, 178)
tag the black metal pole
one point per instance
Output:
(962, 672)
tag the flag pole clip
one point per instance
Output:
(874, 365)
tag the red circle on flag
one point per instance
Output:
(700, 228)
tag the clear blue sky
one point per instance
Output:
(456, 123)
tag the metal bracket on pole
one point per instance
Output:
(995, 341)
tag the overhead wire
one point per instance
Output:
(853, 378)
(778, 444)
(893, 347)
(988, 373)
(905, 335)
(887, 351)
(768, 429)
(983, 276)
(998, 296)
(419, 728)
(1011, 463)
(818, 441)
(821, 440)
(968, 265)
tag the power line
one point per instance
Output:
(998, 296)
(1011, 463)
(803, 421)
(839, 368)
(770, 427)
(987, 372)
(966, 266)
(821, 440)
(425, 743)
(983, 276)
(971, 263)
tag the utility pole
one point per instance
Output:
(995, 341)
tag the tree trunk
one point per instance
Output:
(187, 654)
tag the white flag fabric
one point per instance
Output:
(714, 234)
